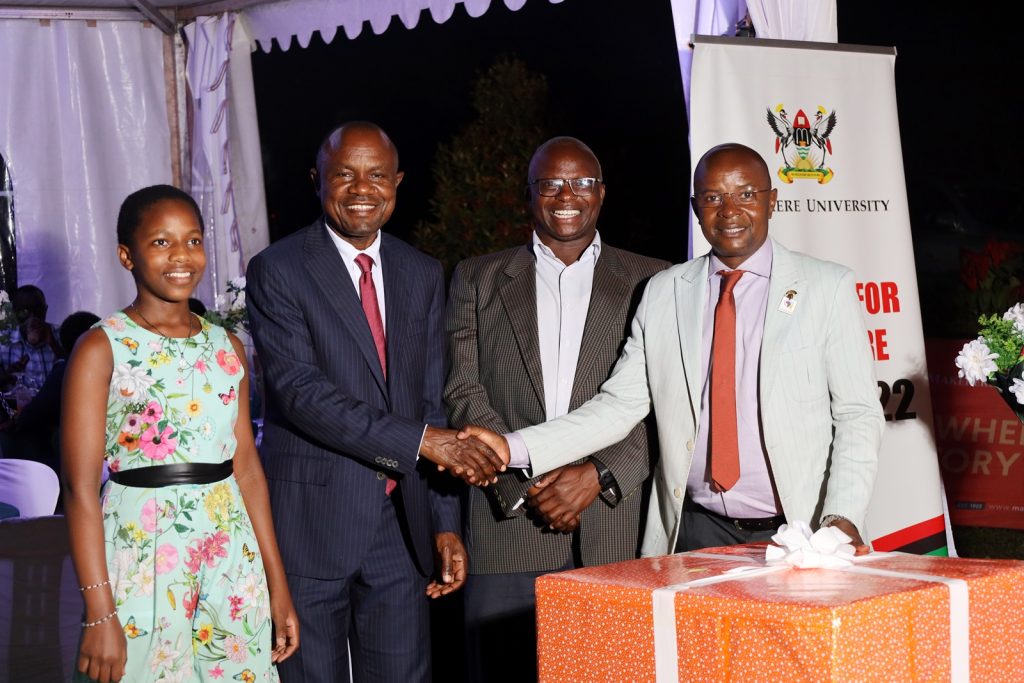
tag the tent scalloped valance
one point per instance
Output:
(282, 21)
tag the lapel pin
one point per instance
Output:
(788, 303)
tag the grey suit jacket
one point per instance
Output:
(820, 414)
(496, 381)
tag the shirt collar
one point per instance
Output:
(349, 252)
(541, 250)
(758, 263)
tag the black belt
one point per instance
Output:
(750, 524)
(170, 475)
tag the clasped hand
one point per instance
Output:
(470, 459)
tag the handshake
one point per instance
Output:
(473, 454)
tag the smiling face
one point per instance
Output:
(356, 179)
(166, 255)
(565, 223)
(734, 231)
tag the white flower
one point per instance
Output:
(251, 588)
(162, 658)
(239, 300)
(3, 313)
(237, 282)
(5, 298)
(144, 579)
(130, 384)
(975, 361)
(1016, 314)
(1017, 389)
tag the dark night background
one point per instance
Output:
(613, 80)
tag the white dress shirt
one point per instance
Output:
(349, 254)
(563, 299)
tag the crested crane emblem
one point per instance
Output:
(804, 146)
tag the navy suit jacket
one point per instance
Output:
(334, 426)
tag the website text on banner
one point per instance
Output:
(824, 118)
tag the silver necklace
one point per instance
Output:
(156, 329)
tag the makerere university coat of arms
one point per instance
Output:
(804, 146)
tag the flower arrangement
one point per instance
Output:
(8, 320)
(229, 309)
(997, 356)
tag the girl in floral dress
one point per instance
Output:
(176, 556)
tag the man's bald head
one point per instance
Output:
(356, 178)
(735, 151)
(334, 140)
(562, 143)
(733, 199)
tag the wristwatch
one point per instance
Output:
(605, 478)
(828, 519)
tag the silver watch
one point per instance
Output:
(828, 519)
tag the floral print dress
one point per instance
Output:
(184, 565)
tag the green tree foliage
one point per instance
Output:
(479, 203)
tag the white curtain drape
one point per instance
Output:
(209, 53)
(811, 20)
(83, 122)
(706, 18)
(244, 146)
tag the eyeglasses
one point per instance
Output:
(712, 200)
(551, 187)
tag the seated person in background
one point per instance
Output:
(33, 347)
(36, 425)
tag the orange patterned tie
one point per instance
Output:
(368, 297)
(724, 446)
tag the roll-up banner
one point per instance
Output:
(824, 117)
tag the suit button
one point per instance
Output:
(678, 493)
(382, 476)
(689, 445)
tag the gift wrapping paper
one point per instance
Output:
(893, 617)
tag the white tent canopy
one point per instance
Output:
(102, 97)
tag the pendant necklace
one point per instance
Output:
(156, 329)
(178, 349)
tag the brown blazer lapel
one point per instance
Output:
(519, 297)
(609, 289)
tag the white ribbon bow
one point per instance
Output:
(826, 548)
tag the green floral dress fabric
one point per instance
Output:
(184, 565)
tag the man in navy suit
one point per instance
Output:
(348, 323)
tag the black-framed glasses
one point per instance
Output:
(712, 200)
(551, 187)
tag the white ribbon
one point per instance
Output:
(666, 644)
(826, 548)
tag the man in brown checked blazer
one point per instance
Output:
(532, 333)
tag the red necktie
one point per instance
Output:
(725, 450)
(368, 297)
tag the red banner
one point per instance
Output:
(980, 443)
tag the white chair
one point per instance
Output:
(30, 486)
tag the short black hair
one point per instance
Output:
(74, 326)
(135, 204)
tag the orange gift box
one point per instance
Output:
(699, 617)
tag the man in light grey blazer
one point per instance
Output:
(807, 418)
(532, 333)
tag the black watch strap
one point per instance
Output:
(605, 478)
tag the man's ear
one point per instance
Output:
(314, 178)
